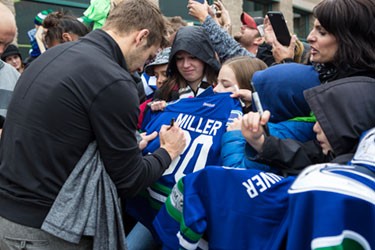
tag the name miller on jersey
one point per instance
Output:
(260, 183)
(192, 123)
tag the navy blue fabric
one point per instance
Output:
(280, 89)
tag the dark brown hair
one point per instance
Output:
(60, 22)
(352, 24)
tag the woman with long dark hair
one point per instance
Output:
(342, 50)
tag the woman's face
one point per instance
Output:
(323, 44)
(15, 61)
(226, 81)
(160, 72)
(190, 67)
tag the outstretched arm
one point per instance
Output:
(224, 44)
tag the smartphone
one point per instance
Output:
(279, 27)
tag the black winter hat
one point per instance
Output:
(10, 51)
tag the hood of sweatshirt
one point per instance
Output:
(344, 108)
(195, 41)
(280, 89)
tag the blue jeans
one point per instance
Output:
(140, 238)
(14, 236)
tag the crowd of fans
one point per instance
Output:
(127, 129)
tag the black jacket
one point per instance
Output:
(344, 109)
(71, 95)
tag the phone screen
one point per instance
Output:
(279, 27)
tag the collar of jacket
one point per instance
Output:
(103, 40)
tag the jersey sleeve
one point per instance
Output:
(167, 221)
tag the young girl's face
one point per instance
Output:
(160, 72)
(15, 61)
(322, 139)
(189, 66)
(226, 81)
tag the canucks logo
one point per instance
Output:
(349, 240)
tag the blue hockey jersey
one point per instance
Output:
(231, 208)
(204, 120)
(332, 206)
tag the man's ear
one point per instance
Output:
(66, 37)
(142, 36)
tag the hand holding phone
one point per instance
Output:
(279, 27)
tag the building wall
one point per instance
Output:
(234, 8)
(306, 5)
(286, 7)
